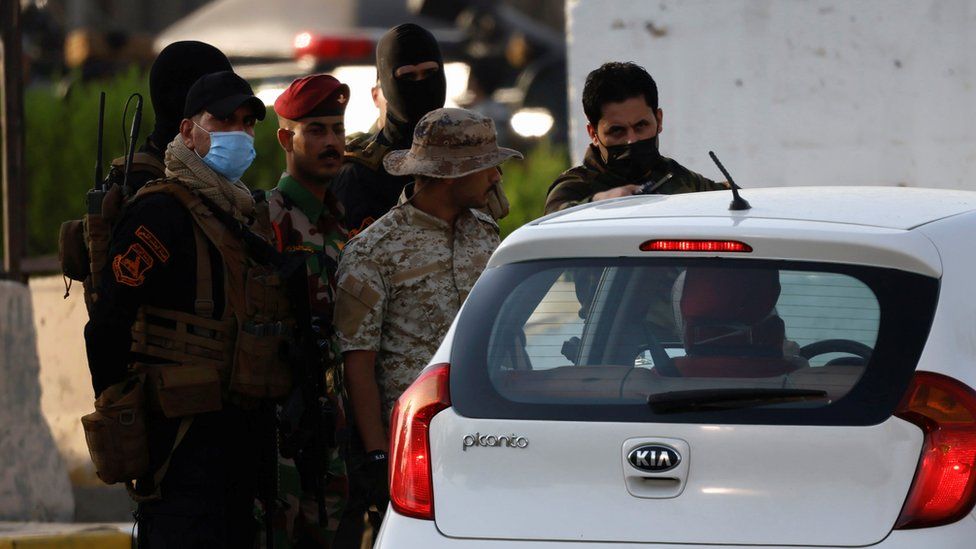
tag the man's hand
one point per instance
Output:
(364, 395)
(376, 470)
(616, 192)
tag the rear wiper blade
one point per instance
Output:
(720, 399)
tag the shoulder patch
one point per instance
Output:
(154, 244)
(362, 226)
(130, 267)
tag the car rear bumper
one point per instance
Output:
(403, 532)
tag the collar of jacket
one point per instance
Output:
(307, 202)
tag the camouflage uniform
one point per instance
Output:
(578, 185)
(301, 222)
(401, 282)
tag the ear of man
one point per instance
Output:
(186, 129)
(285, 139)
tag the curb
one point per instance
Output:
(102, 538)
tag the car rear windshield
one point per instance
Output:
(701, 340)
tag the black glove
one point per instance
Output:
(375, 469)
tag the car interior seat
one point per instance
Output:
(731, 328)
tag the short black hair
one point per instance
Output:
(615, 82)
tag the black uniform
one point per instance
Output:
(363, 185)
(209, 489)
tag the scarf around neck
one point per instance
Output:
(185, 165)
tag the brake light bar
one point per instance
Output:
(332, 47)
(695, 246)
(411, 482)
(944, 489)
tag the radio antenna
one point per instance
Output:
(98, 142)
(738, 203)
(133, 142)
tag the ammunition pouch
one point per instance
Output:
(72, 251)
(180, 390)
(116, 432)
(261, 362)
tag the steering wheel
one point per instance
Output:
(848, 346)
(662, 361)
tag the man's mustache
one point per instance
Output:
(330, 153)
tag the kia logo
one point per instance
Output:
(654, 458)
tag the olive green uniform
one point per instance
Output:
(577, 185)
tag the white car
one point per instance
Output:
(664, 372)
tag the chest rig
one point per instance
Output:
(245, 349)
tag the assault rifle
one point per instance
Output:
(306, 422)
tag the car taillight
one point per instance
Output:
(695, 246)
(944, 489)
(332, 47)
(411, 485)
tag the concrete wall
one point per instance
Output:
(68, 393)
(877, 92)
(33, 481)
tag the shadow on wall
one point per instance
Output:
(34, 483)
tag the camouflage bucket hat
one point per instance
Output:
(450, 143)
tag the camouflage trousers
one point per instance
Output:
(297, 520)
(296, 517)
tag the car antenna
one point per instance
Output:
(738, 203)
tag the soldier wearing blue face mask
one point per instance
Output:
(164, 325)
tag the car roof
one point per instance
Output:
(887, 207)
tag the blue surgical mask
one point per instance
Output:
(230, 154)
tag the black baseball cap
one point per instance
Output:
(220, 94)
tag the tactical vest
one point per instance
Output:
(364, 149)
(204, 361)
(245, 346)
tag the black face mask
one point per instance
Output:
(408, 101)
(633, 160)
(175, 69)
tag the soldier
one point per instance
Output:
(167, 317)
(175, 69)
(402, 280)
(624, 122)
(410, 72)
(307, 217)
(621, 106)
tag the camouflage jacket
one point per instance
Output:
(401, 282)
(301, 222)
(578, 185)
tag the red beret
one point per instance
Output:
(315, 95)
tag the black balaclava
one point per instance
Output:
(407, 101)
(175, 69)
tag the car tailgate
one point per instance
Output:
(737, 484)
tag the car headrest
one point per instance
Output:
(744, 296)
